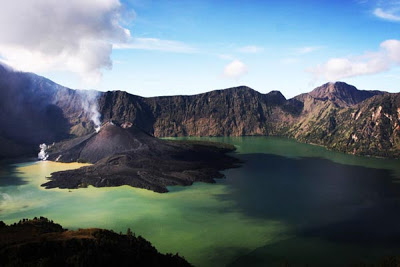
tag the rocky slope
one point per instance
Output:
(235, 111)
(40, 242)
(326, 116)
(342, 94)
(128, 156)
(336, 115)
(34, 110)
(368, 128)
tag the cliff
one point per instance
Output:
(335, 115)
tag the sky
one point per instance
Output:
(151, 48)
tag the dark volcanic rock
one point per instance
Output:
(111, 139)
(40, 242)
(132, 157)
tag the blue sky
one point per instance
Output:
(189, 47)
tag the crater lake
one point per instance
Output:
(288, 202)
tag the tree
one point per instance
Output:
(129, 232)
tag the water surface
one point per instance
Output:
(288, 201)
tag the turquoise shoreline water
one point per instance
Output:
(289, 201)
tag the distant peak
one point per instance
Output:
(341, 93)
(338, 85)
(275, 97)
(331, 88)
(275, 92)
(241, 87)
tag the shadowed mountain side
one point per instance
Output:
(131, 157)
(34, 110)
(40, 242)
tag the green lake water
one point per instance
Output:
(288, 202)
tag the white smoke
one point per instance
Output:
(42, 154)
(91, 108)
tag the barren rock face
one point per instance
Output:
(34, 110)
(342, 93)
(231, 112)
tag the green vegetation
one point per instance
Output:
(41, 242)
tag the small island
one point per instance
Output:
(126, 155)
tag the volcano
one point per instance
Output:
(110, 140)
(126, 155)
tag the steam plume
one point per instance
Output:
(91, 108)
(42, 154)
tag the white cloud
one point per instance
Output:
(382, 60)
(156, 44)
(387, 14)
(235, 69)
(392, 47)
(307, 49)
(250, 49)
(71, 35)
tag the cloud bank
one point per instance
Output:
(71, 35)
(235, 69)
(387, 57)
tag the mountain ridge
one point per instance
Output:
(39, 110)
